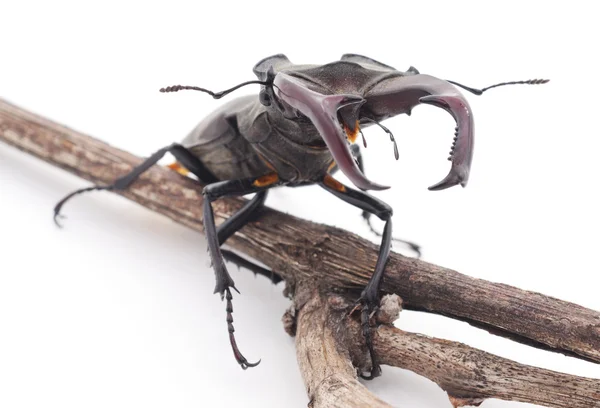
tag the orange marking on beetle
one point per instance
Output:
(266, 180)
(334, 184)
(331, 166)
(352, 135)
(179, 168)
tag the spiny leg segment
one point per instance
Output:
(233, 224)
(224, 282)
(183, 155)
(187, 160)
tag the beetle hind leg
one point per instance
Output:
(183, 156)
(233, 224)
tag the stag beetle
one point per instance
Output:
(299, 131)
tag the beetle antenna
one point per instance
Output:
(480, 91)
(389, 132)
(215, 95)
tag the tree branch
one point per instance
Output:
(300, 250)
(295, 248)
(323, 356)
(328, 341)
(474, 375)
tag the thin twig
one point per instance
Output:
(470, 374)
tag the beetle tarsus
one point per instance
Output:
(56, 217)
(183, 156)
(62, 202)
(368, 305)
(239, 357)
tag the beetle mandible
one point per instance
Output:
(299, 131)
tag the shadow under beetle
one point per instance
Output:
(299, 131)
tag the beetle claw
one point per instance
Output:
(323, 111)
(402, 93)
(368, 305)
(58, 216)
(450, 180)
(239, 357)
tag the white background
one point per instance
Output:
(117, 308)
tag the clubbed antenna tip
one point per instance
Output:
(215, 95)
(480, 91)
(177, 88)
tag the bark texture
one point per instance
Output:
(329, 343)
(324, 358)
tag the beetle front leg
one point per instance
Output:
(236, 222)
(357, 154)
(224, 282)
(369, 298)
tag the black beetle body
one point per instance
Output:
(243, 138)
(299, 130)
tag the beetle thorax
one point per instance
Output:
(298, 130)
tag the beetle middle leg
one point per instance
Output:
(369, 298)
(224, 282)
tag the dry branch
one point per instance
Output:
(474, 374)
(328, 342)
(300, 250)
(324, 359)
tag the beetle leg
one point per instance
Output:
(234, 258)
(369, 298)
(356, 152)
(182, 154)
(234, 224)
(224, 282)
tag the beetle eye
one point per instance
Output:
(264, 98)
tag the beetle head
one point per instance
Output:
(340, 97)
